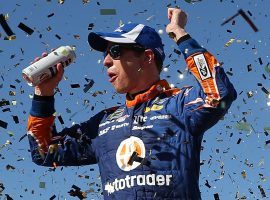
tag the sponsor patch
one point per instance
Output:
(117, 114)
(138, 180)
(125, 151)
(202, 66)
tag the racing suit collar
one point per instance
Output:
(159, 87)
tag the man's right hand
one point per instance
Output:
(47, 87)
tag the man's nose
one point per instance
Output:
(108, 61)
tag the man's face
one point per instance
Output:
(123, 70)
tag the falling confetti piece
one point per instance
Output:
(88, 85)
(107, 11)
(61, 1)
(50, 15)
(41, 184)
(262, 191)
(75, 85)
(26, 29)
(243, 126)
(229, 42)
(3, 124)
(6, 27)
(243, 173)
(216, 196)
(90, 26)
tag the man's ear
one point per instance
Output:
(149, 56)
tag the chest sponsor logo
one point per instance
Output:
(160, 117)
(139, 119)
(112, 128)
(127, 150)
(139, 180)
(159, 101)
(202, 66)
(153, 108)
(120, 119)
(117, 114)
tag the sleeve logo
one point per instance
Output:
(202, 66)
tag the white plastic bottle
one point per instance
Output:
(45, 68)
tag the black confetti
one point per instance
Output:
(5, 25)
(260, 61)
(75, 85)
(60, 119)
(52, 197)
(57, 36)
(16, 119)
(3, 124)
(177, 51)
(239, 140)
(265, 90)
(262, 191)
(26, 29)
(50, 15)
(90, 26)
(88, 86)
(207, 184)
(216, 196)
(249, 67)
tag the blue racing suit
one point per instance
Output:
(148, 148)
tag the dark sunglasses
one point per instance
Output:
(116, 50)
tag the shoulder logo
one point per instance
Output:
(129, 152)
(202, 66)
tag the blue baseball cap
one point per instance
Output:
(132, 33)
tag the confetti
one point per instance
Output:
(246, 18)
(90, 26)
(229, 42)
(76, 192)
(243, 173)
(75, 85)
(52, 197)
(216, 196)
(57, 36)
(26, 29)
(61, 1)
(3, 124)
(265, 90)
(60, 119)
(50, 15)
(85, 1)
(88, 85)
(262, 191)
(249, 68)
(16, 119)
(243, 126)
(107, 11)
(6, 27)
(41, 184)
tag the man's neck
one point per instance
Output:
(132, 96)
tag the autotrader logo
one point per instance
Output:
(126, 150)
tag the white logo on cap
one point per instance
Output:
(119, 28)
(125, 151)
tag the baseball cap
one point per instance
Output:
(129, 34)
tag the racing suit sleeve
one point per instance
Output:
(70, 147)
(206, 103)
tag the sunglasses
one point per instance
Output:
(116, 50)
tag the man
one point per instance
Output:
(148, 148)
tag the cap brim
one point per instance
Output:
(99, 41)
